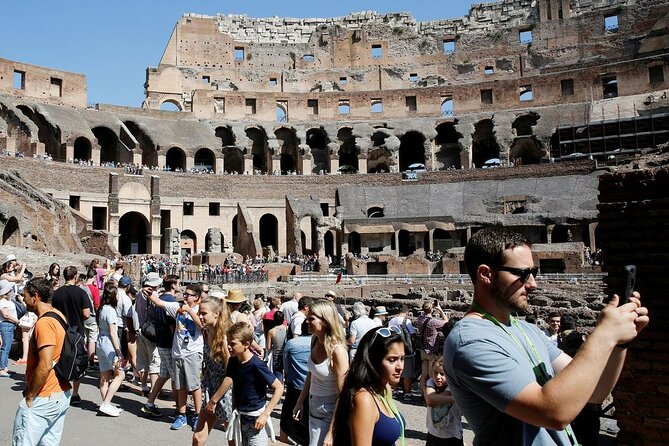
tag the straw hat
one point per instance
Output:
(331, 294)
(235, 296)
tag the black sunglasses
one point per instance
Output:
(190, 294)
(522, 273)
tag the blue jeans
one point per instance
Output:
(7, 333)
(43, 422)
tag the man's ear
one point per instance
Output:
(484, 274)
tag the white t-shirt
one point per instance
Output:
(123, 307)
(397, 322)
(296, 323)
(187, 335)
(288, 309)
(444, 421)
(9, 305)
(359, 327)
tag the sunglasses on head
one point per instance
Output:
(522, 273)
(386, 331)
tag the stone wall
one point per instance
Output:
(634, 229)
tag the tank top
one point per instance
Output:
(323, 378)
(278, 340)
(386, 429)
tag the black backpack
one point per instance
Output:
(73, 360)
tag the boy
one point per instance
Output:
(251, 377)
(444, 418)
(187, 346)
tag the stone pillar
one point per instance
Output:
(214, 236)
(8, 144)
(95, 156)
(549, 233)
(220, 165)
(162, 160)
(190, 162)
(362, 163)
(466, 158)
(38, 148)
(248, 163)
(306, 158)
(431, 238)
(112, 205)
(334, 164)
(593, 241)
(137, 158)
(276, 164)
(468, 233)
(172, 242)
(397, 243)
(155, 236)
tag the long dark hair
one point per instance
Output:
(109, 297)
(364, 373)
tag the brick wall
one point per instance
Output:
(634, 228)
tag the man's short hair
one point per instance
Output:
(170, 282)
(69, 273)
(487, 247)
(41, 287)
(553, 314)
(240, 331)
(305, 301)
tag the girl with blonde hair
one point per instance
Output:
(327, 365)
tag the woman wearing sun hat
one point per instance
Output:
(8, 322)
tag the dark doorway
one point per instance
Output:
(226, 135)
(110, 147)
(485, 144)
(234, 231)
(448, 143)
(233, 160)
(412, 150)
(290, 159)
(11, 234)
(259, 149)
(82, 149)
(354, 243)
(146, 145)
(442, 240)
(317, 140)
(133, 233)
(407, 245)
(269, 231)
(328, 241)
(175, 159)
(348, 152)
(560, 234)
(204, 160)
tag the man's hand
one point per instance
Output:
(624, 323)
(260, 421)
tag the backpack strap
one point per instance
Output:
(54, 315)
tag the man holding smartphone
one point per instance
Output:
(513, 385)
(429, 328)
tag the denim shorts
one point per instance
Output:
(43, 422)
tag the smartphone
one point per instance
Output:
(630, 282)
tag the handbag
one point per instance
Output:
(149, 330)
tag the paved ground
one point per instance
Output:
(84, 426)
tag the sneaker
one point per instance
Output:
(151, 410)
(146, 391)
(194, 422)
(179, 422)
(75, 400)
(407, 397)
(109, 410)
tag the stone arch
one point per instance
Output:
(290, 156)
(209, 240)
(448, 146)
(259, 149)
(204, 159)
(441, 240)
(11, 233)
(47, 134)
(526, 149)
(484, 143)
(375, 212)
(378, 160)
(412, 149)
(146, 145)
(354, 243)
(233, 160)
(348, 151)
(171, 105)
(226, 135)
(175, 158)
(309, 228)
(82, 149)
(133, 231)
(188, 242)
(268, 231)
(329, 245)
(111, 149)
(318, 140)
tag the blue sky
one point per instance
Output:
(113, 41)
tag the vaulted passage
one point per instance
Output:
(233, 160)
(258, 149)
(348, 152)
(175, 159)
(290, 159)
(146, 145)
(485, 146)
(205, 160)
(46, 134)
(133, 233)
(11, 235)
(412, 150)
(269, 231)
(526, 148)
(111, 149)
(82, 149)
(448, 146)
(226, 135)
(318, 141)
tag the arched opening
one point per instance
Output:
(259, 149)
(111, 149)
(204, 160)
(523, 124)
(82, 149)
(317, 141)
(175, 159)
(303, 241)
(348, 152)
(11, 235)
(133, 234)
(412, 150)
(354, 243)
(560, 234)
(281, 113)
(269, 231)
(525, 150)
(170, 105)
(146, 145)
(379, 138)
(188, 242)
(448, 143)
(484, 143)
(290, 159)
(378, 160)
(328, 241)
(308, 228)
(235, 231)
(233, 160)
(375, 212)
(208, 242)
(46, 133)
(441, 241)
(226, 136)
(407, 244)
(447, 106)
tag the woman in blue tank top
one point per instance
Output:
(366, 414)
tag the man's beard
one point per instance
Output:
(513, 306)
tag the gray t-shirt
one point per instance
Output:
(187, 335)
(486, 370)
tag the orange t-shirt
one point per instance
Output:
(47, 332)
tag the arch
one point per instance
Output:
(188, 242)
(317, 140)
(226, 135)
(208, 242)
(354, 243)
(303, 239)
(259, 149)
(523, 124)
(526, 150)
(375, 212)
(47, 134)
(111, 149)
(329, 244)
(175, 159)
(412, 149)
(378, 160)
(308, 227)
(205, 160)
(133, 234)
(290, 159)
(484, 143)
(11, 234)
(561, 234)
(233, 160)
(448, 143)
(146, 145)
(171, 105)
(82, 149)
(406, 244)
(441, 240)
(269, 231)
(348, 151)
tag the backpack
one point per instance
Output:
(73, 360)
(406, 337)
(438, 346)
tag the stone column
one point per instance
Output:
(38, 148)
(362, 163)
(431, 239)
(248, 163)
(154, 238)
(95, 156)
(397, 243)
(593, 241)
(307, 159)
(549, 233)
(162, 160)
(220, 165)
(137, 158)
(112, 205)
(214, 237)
(172, 242)
(190, 162)
(8, 144)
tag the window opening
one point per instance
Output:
(344, 107)
(250, 106)
(526, 93)
(567, 87)
(188, 208)
(486, 96)
(449, 46)
(611, 23)
(239, 53)
(19, 80)
(377, 106)
(377, 52)
(489, 70)
(312, 105)
(411, 103)
(525, 36)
